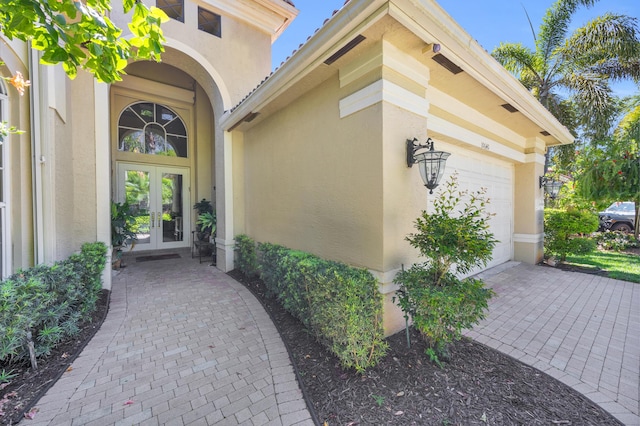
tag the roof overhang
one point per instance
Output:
(269, 16)
(427, 21)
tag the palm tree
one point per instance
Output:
(581, 64)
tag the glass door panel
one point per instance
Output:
(172, 208)
(137, 187)
(157, 196)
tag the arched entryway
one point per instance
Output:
(162, 151)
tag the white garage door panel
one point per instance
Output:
(497, 178)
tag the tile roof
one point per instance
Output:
(292, 53)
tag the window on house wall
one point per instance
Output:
(173, 8)
(5, 240)
(209, 22)
(154, 129)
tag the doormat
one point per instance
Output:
(158, 257)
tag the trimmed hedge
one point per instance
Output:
(50, 302)
(247, 262)
(339, 304)
(564, 230)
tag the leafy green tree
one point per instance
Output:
(80, 33)
(581, 63)
(611, 172)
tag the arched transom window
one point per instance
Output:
(150, 128)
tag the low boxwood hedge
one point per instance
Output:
(339, 304)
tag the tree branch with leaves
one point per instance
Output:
(79, 34)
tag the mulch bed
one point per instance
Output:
(28, 386)
(479, 385)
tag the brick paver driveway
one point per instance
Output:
(581, 329)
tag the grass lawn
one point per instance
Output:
(621, 266)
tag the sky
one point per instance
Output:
(488, 21)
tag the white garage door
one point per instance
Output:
(497, 177)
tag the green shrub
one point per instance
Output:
(615, 240)
(564, 230)
(441, 312)
(455, 238)
(339, 304)
(346, 310)
(50, 302)
(246, 260)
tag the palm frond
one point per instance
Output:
(605, 37)
(518, 60)
(589, 90)
(617, 69)
(555, 25)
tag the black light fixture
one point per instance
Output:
(430, 162)
(551, 186)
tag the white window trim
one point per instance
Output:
(5, 223)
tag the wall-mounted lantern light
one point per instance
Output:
(551, 186)
(430, 162)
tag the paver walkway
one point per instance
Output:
(182, 344)
(185, 344)
(581, 329)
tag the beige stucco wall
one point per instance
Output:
(240, 58)
(67, 165)
(314, 181)
(14, 56)
(404, 194)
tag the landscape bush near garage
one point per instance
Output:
(566, 231)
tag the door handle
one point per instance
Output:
(153, 219)
(159, 220)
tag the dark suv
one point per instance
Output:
(619, 216)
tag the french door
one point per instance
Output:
(158, 197)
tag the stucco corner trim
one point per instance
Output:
(528, 238)
(385, 280)
(384, 90)
(534, 158)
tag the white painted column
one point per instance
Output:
(225, 243)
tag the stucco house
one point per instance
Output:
(311, 156)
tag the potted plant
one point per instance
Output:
(207, 224)
(122, 231)
(203, 207)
